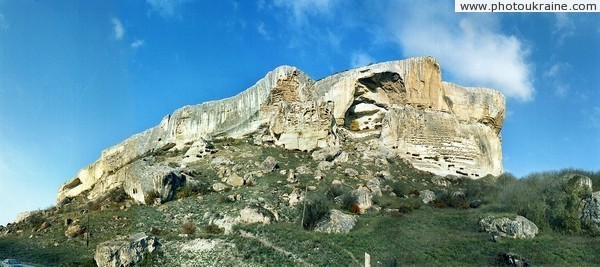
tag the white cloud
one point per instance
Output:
(301, 8)
(260, 28)
(3, 23)
(137, 44)
(563, 27)
(554, 75)
(118, 30)
(470, 48)
(166, 8)
(360, 59)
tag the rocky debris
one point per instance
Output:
(221, 161)
(219, 187)
(24, 215)
(45, 225)
(512, 259)
(269, 164)
(234, 198)
(291, 177)
(440, 181)
(303, 169)
(74, 230)
(260, 215)
(234, 180)
(427, 196)
(364, 198)
(225, 222)
(374, 186)
(294, 197)
(198, 150)
(125, 252)
(351, 172)
(324, 166)
(336, 222)
(590, 211)
(318, 175)
(519, 227)
(384, 174)
(327, 153)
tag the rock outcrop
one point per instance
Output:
(590, 211)
(403, 105)
(336, 222)
(519, 227)
(125, 252)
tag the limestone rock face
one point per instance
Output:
(403, 105)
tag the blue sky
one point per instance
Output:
(77, 77)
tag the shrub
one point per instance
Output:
(151, 196)
(315, 210)
(410, 204)
(349, 202)
(213, 229)
(189, 228)
(117, 195)
(400, 189)
(335, 190)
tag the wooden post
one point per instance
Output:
(367, 260)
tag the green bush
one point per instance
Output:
(189, 228)
(401, 189)
(315, 210)
(213, 229)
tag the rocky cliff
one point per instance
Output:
(402, 108)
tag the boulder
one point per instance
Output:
(364, 198)
(517, 227)
(374, 186)
(219, 187)
(327, 153)
(336, 222)
(590, 211)
(512, 259)
(251, 215)
(324, 166)
(74, 230)
(234, 180)
(427, 196)
(125, 253)
(221, 161)
(269, 164)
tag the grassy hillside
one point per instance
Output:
(398, 230)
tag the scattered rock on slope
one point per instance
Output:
(590, 211)
(336, 222)
(125, 253)
(519, 227)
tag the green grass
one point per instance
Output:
(429, 236)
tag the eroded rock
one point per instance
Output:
(336, 222)
(517, 227)
(124, 253)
